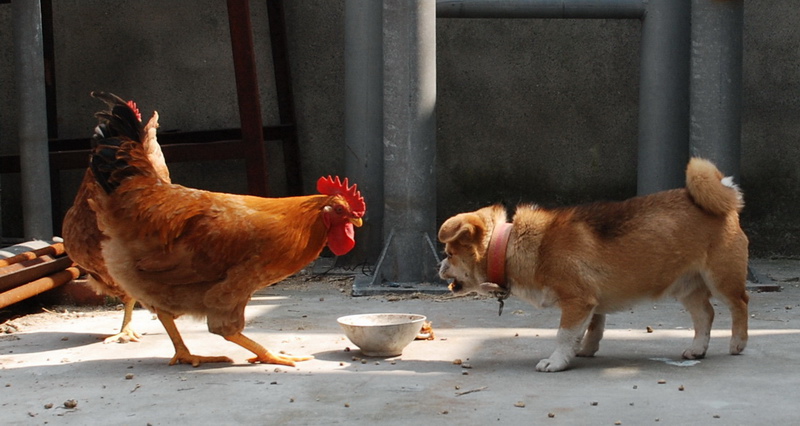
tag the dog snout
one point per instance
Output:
(455, 287)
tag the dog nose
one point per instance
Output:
(455, 286)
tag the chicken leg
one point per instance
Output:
(182, 354)
(126, 333)
(262, 355)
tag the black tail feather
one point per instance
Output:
(120, 121)
(120, 126)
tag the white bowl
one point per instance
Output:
(381, 334)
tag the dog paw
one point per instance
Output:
(737, 346)
(587, 353)
(694, 354)
(549, 365)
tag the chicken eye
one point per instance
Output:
(338, 210)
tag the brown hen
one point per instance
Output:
(82, 237)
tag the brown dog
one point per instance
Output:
(599, 258)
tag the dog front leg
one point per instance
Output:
(591, 341)
(574, 321)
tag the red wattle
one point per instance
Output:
(341, 238)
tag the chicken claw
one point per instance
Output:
(184, 357)
(182, 354)
(262, 355)
(269, 358)
(126, 333)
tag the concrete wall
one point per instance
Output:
(528, 110)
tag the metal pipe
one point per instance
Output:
(363, 117)
(39, 286)
(409, 140)
(716, 83)
(32, 110)
(244, 64)
(664, 96)
(53, 250)
(572, 9)
(12, 276)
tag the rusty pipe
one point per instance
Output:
(39, 286)
(53, 250)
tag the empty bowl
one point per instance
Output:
(381, 334)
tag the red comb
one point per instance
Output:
(329, 186)
(132, 104)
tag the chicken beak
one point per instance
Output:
(356, 221)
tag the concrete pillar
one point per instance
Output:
(363, 118)
(34, 154)
(409, 225)
(664, 96)
(716, 83)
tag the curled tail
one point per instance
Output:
(710, 190)
(123, 146)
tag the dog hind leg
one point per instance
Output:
(730, 287)
(696, 300)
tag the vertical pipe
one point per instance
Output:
(716, 83)
(283, 88)
(244, 64)
(664, 95)
(33, 150)
(363, 117)
(409, 139)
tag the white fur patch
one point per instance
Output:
(728, 181)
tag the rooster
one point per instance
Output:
(183, 251)
(82, 237)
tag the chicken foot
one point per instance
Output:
(126, 332)
(262, 355)
(182, 354)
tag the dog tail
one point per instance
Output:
(710, 190)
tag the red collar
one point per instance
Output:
(496, 267)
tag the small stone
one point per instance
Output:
(457, 361)
(347, 349)
(519, 404)
(649, 329)
(70, 403)
(129, 376)
(465, 365)
(346, 405)
(551, 415)
(681, 388)
(48, 406)
(445, 412)
(617, 422)
(662, 382)
(594, 403)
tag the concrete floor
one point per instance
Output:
(636, 378)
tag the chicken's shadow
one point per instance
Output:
(44, 341)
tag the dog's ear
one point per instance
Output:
(465, 229)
